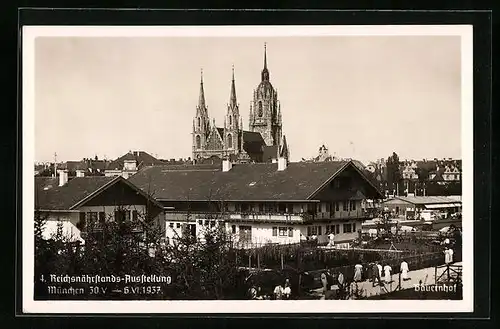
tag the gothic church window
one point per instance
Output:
(198, 142)
(230, 120)
(260, 109)
(229, 141)
(199, 123)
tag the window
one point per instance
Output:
(102, 217)
(337, 207)
(282, 208)
(135, 215)
(283, 231)
(93, 217)
(275, 231)
(314, 230)
(198, 142)
(345, 206)
(261, 113)
(233, 229)
(230, 120)
(229, 141)
(347, 228)
(290, 232)
(82, 222)
(354, 227)
(244, 207)
(200, 222)
(352, 205)
(127, 215)
(178, 225)
(261, 207)
(199, 123)
(212, 223)
(171, 225)
(120, 215)
(207, 222)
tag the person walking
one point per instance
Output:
(379, 267)
(404, 270)
(287, 291)
(387, 273)
(324, 282)
(358, 269)
(375, 274)
(340, 281)
(278, 292)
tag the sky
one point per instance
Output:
(363, 97)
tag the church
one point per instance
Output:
(262, 142)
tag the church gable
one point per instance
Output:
(214, 141)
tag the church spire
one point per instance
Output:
(265, 72)
(232, 99)
(201, 100)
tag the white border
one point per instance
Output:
(29, 33)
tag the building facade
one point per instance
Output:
(263, 203)
(262, 142)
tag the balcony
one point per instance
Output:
(268, 217)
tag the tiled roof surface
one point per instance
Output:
(64, 197)
(142, 158)
(261, 181)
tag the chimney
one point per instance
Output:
(226, 165)
(63, 177)
(80, 173)
(282, 163)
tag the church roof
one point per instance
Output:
(252, 182)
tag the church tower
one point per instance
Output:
(232, 122)
(265, 111)
(201, 124)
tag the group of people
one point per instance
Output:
(280, 292)
(379, 273)
(334, 285)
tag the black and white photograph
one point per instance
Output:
(287, 168)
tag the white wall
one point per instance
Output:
(69, 220)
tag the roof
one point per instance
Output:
(252, 182)
(142, 158)
(269, 152)
(50, 196)
(426, 199)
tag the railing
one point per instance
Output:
(272, 217)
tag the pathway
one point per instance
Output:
(426, 275)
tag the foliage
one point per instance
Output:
(393, 172)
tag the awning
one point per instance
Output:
(442, 205)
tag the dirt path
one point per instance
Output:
(425, 275)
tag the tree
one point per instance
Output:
(393, 172)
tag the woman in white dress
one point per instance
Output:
(404, 270)
(387, 272)
(357, 272)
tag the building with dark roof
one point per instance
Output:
(262, 142)
(423, 207)
(77, 201)
(129, 163)
(263, 202)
